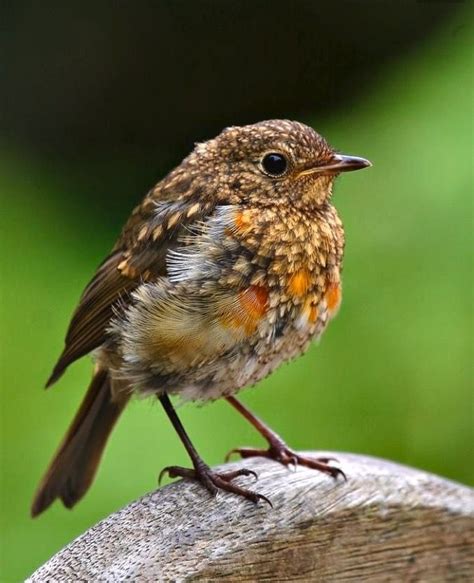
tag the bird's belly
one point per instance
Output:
(203, 347)
(279, 341)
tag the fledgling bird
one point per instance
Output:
(230, 266)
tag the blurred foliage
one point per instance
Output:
(94, 75)
(392, 376)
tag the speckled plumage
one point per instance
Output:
(223, 272)
(242, 231)
(176, 335)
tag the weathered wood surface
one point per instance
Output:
(386, 523)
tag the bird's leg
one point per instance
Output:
(277, 448)
(213, 481)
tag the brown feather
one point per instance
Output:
(87, 329)
(138, 256)
(74, 466)
(109, 287)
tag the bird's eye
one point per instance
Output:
(274, 164)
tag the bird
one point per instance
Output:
(230, 266)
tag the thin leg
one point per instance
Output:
(213, 481)
(277, 448)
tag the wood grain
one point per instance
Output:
(386, 523)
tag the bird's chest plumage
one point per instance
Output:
(296, 258)
(246, 291)
(304, 255)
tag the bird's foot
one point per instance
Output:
(214, 481)
(280, 452)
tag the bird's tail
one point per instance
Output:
(73, 468)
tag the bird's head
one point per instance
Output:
(274, 160)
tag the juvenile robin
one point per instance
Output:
(229, 267)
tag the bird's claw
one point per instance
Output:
(281, 453)
(214, 481)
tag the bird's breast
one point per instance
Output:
(245, 291)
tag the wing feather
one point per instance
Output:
(90, 320)
(139, 256)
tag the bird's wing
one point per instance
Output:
(139, 256)
(206, 306)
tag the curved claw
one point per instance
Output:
(336, 472)
(246, 472)
(264, 499)
(162, 473)
(241, 472)
(281, 453)
(230, 453)
(293, 462)
(176, 472)
(213, 481)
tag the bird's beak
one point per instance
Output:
(342, 163)
(339, 163)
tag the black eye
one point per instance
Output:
(274, 164)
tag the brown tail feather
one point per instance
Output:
(74, 466)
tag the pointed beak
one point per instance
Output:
(339, 163)
(342, 163)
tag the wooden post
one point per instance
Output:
(386, 523)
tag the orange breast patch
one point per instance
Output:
(243, 221)
(299, 283)
(313, 314)
(309, 314)
(333, 297)
(248, 310)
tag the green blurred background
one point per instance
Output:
(392, 376)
